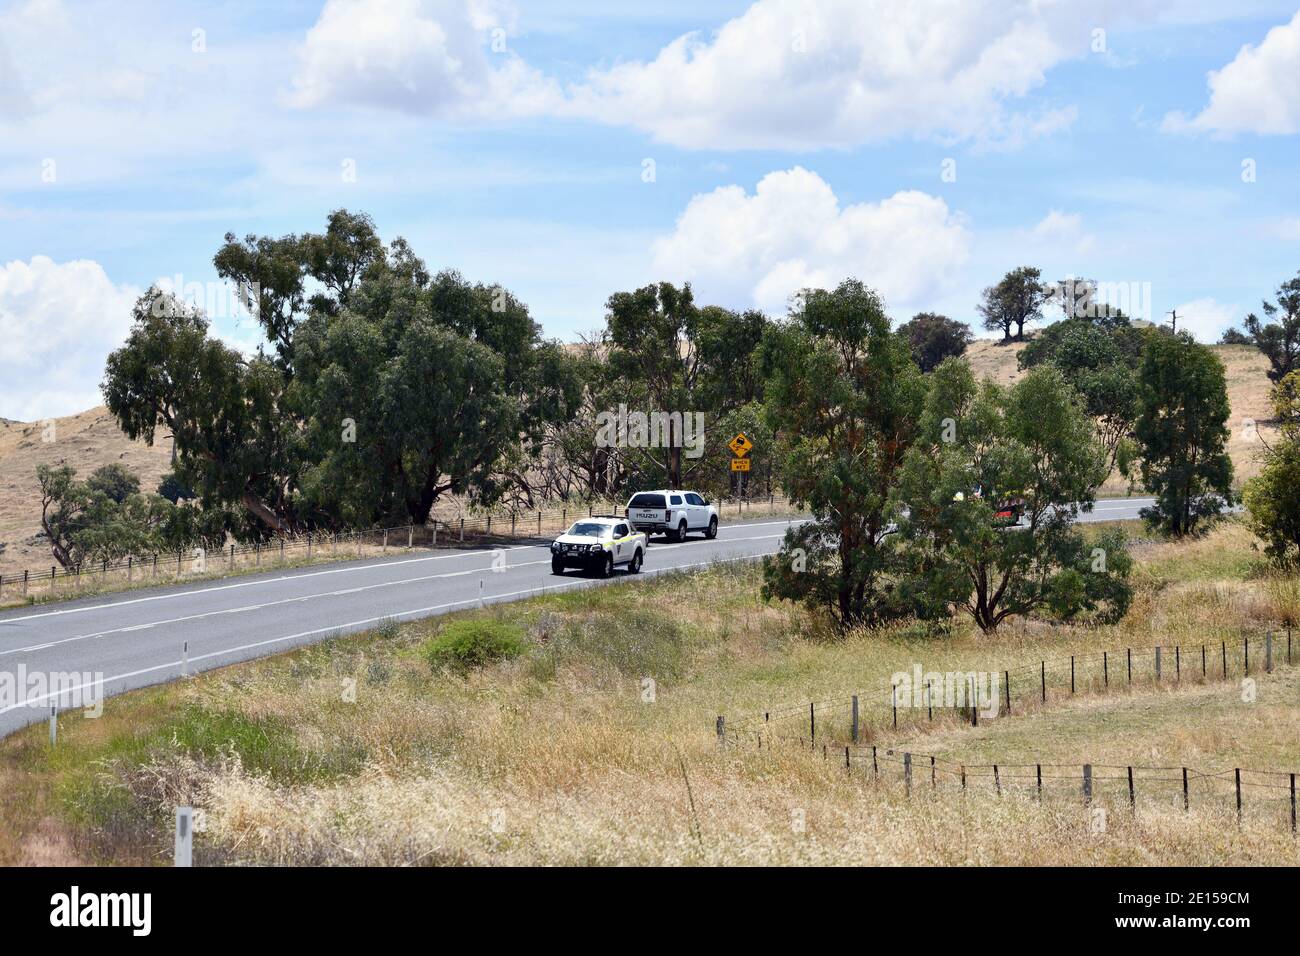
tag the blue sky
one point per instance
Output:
(792, 142)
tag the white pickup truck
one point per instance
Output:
(599, 544)
(673, 513)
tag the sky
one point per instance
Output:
(570, 150)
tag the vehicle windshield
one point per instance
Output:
(646, 501)
(593, 529)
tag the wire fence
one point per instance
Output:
(843, 729)
(1249, 795)
(292, 550)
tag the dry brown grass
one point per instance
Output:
(85, 441)
(554, 758)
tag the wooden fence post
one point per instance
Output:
(1105, 670)
(1157, 663)
(1044, 681)
(1187, 802)
(1128, 651)
(997, 779)
(1087, 783)
(722, 730)
(812, 722)
(1038, 775)
(855, 718)
(1132, 793)
(1006, 682)
(1268, 652)
(907, 772)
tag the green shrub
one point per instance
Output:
(463, 645)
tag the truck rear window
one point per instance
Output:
(647, 501)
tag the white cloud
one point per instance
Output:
(1206, 318)
(1062, 233)
(805, 74)
(1288, 229)
(1258, 92)
(446, 58)
(792, 233)
(58, 321)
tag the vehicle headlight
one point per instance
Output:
(555, 546)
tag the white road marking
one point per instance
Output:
(533, 591)
(310, 597)
(312, 574)
(261, 580)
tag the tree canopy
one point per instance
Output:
(1279, 339)
(844, 393)
(1016, 301)
(388, 387)
(982, 447)
(1182, 433)
(933, 338)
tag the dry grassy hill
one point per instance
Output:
(84, 441)
(1248, 392)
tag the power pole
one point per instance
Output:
(1174, 313)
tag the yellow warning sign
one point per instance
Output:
(740, 446)
(740, 464)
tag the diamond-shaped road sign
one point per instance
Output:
(740, 445)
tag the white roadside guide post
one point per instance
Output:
(184, 836)
(54, 724)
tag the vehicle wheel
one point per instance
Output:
(681, 532)
(713, 528)
(557, 567)
(607, 568)
(635, 566)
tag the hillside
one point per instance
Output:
(1248, 393)
(85, 441)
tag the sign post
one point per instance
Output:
(740, 447)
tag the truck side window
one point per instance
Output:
(620, 531)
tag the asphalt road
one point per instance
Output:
(108, 645)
